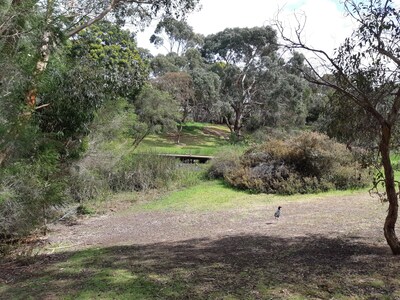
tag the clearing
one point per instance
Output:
(327, 246)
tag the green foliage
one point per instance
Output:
(205, 83)
(148, 171)
(157, 109)
(115, 54)
(257, 87)
(87, 185)
(171, 62)
(207, 86)
(240, 45)
(83, 210)
(348, 123)
(101, 63)
(108, 141)
(80, 150)
(109, 165)
(19, 31)
(180, 86)
(310, 162)
(75, 94)
(157, 112)
(180, 35)
(28, 188)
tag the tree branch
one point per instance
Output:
(95, 19)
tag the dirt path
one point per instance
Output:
(357, 216)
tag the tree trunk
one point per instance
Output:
(180, 127)
(226, 120)
(44, 56)
(237, 125)
(46, 45)
(138, 140)
(391, 218)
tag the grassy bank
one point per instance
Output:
(216, 195)
(195, 139)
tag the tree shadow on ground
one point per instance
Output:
(232, 267)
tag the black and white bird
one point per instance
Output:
(278, 212)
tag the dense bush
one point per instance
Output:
(223, 162)
(28, 191)
(149, 171)
(309, 162)
(87, 185)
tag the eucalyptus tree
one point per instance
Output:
(283, 96)
(34, 31)
(206, 104)
(239, 55)
(63, 19)
(101, 63)
(175, 36)
(180, 86)
(171, 62)
(202, 103)
(366, 72)
(19, 22)
(157, 111)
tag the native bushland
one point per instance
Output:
(309, 162)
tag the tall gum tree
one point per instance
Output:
(47, 24)
(63, 19)
(175, 36)
(238, 54)
(180, 86)
(366, 71)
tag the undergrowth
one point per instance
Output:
(307, 163)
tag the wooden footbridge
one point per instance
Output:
(189, 159)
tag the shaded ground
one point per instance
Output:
(331, 248)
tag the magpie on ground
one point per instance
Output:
(278, 212)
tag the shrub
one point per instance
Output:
(223, 162)
(146, 171)
(85, 185)
(28, 189)
(307, 163)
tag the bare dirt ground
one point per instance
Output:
(357, 216)
(321, 248)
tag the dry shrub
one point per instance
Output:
(223, 163)
(85, 185)
(144, 172)
(307, 163)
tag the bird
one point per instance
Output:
(278, 212)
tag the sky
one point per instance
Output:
(326, 24)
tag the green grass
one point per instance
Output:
(395, 159)
(196, 139)
(216, 195)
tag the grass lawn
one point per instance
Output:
(196, 139)
(216, 195)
